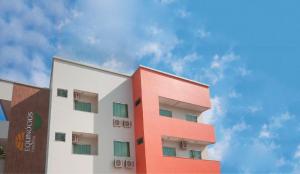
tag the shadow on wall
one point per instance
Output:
(27, 100)
(107, 133)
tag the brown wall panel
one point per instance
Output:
(27, 135)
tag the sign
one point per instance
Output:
(25, 140)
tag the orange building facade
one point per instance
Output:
(153, 90)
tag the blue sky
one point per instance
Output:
(247, 51)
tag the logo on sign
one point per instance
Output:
(25, 140)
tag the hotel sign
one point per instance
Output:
(25, 140)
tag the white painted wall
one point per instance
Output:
(4, 126)
(186, 153)
(63, 118)
(6, 89)
(180, 113)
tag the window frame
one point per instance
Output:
(56, 137)
(187, 116)
(62, 90)
(82, 102)
(161, 110)
(115, 104)
(192, 154)
(78, 153)
(128, 148)
(163, 149)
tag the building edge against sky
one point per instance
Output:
(104, 121)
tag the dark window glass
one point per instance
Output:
(140, 141)
(166, 113)
(62, 92)
(60, 136)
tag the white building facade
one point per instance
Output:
(90, 120)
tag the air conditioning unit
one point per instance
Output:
(75, 139)
(76, 95)
(127, 124)
(129, 164)
(183, 145)
(117, 123)
(118, 163)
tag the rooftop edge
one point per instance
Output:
(21, 83)
(89, 66)
(175, 76)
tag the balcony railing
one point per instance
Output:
(187, 130)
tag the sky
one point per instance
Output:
(247, 51)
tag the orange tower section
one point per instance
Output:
(151, 90)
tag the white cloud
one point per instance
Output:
(220, 149)
(25, 43)
(166, 2)
(154, 30)
(183, 13)
(234, 94)
(219, 62)
(202, 33)
(277, 122)
(297, 153)
(159, 48)
(113, 64)
(243, 71)
(265, 133)
(269, 130)
(216, 112)
(178, 66)
(280, 162)
(255, 109)
(217, 68)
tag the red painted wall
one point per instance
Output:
(149, 85)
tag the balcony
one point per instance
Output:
(84, 143)
(188, 130)
(180, 110)
(186, 165)
(85, 101)
(179, 147)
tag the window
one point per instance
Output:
(164, 112)
(60, 136)
(83, 106)
(195, 154)
(84, 143)
(137, 102)
(169, 151)
(62, 92)
(121, 149)
(192, 118)
(120, 110)
(140, 140)
(82, 149)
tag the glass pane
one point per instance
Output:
(120, 110)
(166, 113)
(192, 118)
(59, 136)
(121, 148)
(169, 151)
(82, 149)
(62, 92)
(82, 106)
(195, 154)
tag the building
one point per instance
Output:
(91, 120)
